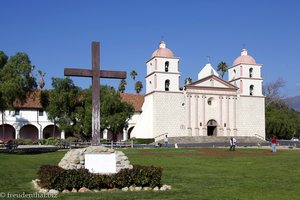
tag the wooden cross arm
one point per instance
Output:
(90, 73)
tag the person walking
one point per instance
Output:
(232, 143)
(166, 140)
(274, 141)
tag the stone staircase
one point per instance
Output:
(212, 139)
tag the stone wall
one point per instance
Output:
(75, 159)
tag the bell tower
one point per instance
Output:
(162, 71)
(245, 73)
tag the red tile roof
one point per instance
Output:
(136, 100)
(33, 101)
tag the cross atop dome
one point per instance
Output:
(163, 51)
(162, 44)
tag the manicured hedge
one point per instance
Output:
(54, 177)
(143, 140)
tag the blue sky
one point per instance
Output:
(58, 34)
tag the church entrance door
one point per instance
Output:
(211, 128)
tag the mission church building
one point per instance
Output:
(209, 106)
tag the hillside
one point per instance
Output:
(294, 102)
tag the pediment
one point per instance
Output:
(212, 82)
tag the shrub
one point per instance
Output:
(71, 139)
(40, 141)
(54, 177)
(24, 141)
(54, 141)
(143, 140)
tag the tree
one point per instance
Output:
(281, 122)
(272, 92)
(223, 68)
(122, 86)
(41, 81)
(3, 59)
(188, 80)
(114, 112)
(71, 108)
(16, 80)
(64, 101)
(138, 87)
(133, 74)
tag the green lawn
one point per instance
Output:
(193, 173)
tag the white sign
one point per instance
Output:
(101, 163)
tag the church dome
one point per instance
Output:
(163, 51)
(244, 59)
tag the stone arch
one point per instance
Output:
(212, 128)
(129, 132)
(51, 131)
(9, 131)
(29, 131)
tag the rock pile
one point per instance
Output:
(75, 159)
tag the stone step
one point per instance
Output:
(211, 139)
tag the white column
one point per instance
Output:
(196, 116)
(17, 135)
(105, 134)
(125, 135)
(234, 116)
(221, 116)
(62, 134)
(228, 120)
(204, 129)
(189, 116)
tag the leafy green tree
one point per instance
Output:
(16, 80)
(138, 86)
(223, 68)
(64, 100)
(133, 74)
(3, 59)
(281, 122)
(71, 108)
(122, 86)
(114, 112)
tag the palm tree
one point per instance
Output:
(223, 68)
(41, 81)
(188, 80)
(122, 86)
(138, 87)
(133, 74)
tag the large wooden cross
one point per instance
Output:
(95, 73)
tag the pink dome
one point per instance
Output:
(244, 59)
(163, 51)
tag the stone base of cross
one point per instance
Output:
(95, 73)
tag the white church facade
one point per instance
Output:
(209, 106)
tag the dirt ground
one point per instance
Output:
(211, 152)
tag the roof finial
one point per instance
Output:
(208, 59)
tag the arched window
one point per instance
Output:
(234, 73)
(251, 89)
(167, 66)
(251, 72)
(167, 85)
